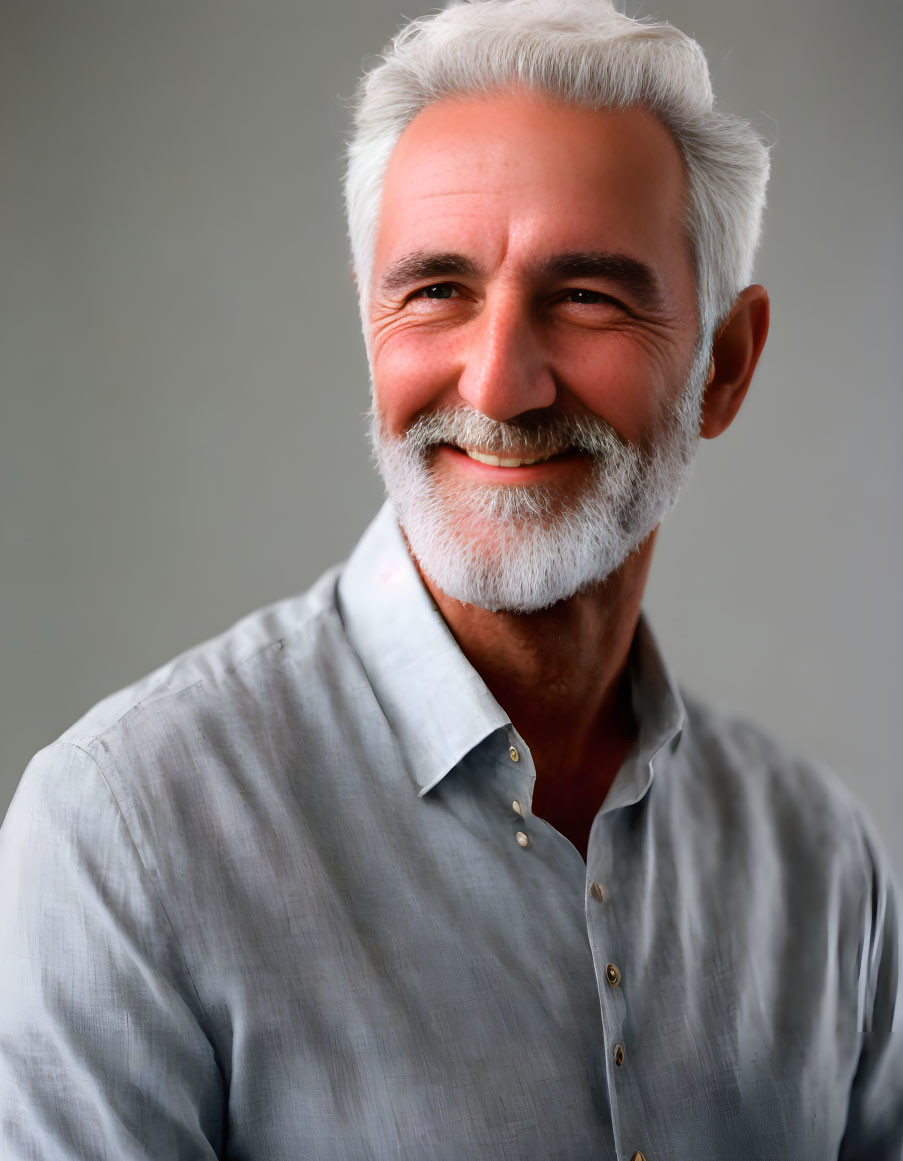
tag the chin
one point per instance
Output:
(521, 563)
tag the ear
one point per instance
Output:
(735, 352)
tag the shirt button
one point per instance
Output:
(522, 840)
(598, 892)
(513, 754)
(612, 975)
(619, 1055)
(517, 808)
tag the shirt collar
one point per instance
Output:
(659, 712)
(435, 702)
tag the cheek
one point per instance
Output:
(411, 376)
(626, 382)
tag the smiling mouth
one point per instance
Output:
(509, 458)
(501, 461)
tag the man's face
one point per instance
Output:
(533, 298)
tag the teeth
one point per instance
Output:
(499, 461)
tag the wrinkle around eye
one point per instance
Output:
(421, 308)
(388, 324)
(610, 312)
(421, 302)
(605, 313)
(589, 299)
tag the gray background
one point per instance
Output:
(183, 382)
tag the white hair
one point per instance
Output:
(585, 53)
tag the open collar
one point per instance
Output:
(436, 704)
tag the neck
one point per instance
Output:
(560, 676)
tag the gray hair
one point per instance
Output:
(585, 53)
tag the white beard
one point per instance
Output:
(521, 548)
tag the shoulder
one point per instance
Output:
(221, 676)
(215, 719)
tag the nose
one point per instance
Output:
(505, 369)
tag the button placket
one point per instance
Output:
(517, 758)
(601, 891)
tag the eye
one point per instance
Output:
(588, 297)
(437, 290)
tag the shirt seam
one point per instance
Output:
(159, 696)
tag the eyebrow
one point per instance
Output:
(423, 265)
(636, 278)
(632, 275)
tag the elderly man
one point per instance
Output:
(434, 861)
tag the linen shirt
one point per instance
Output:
(286, 898)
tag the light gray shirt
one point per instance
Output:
(286, 899)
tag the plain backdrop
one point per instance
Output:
(183, 382)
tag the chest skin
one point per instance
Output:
(570, 804)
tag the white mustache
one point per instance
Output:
(526, 438)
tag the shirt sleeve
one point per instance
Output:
(875, 1119)
(103, 1053)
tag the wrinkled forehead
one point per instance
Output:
(513, 169)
